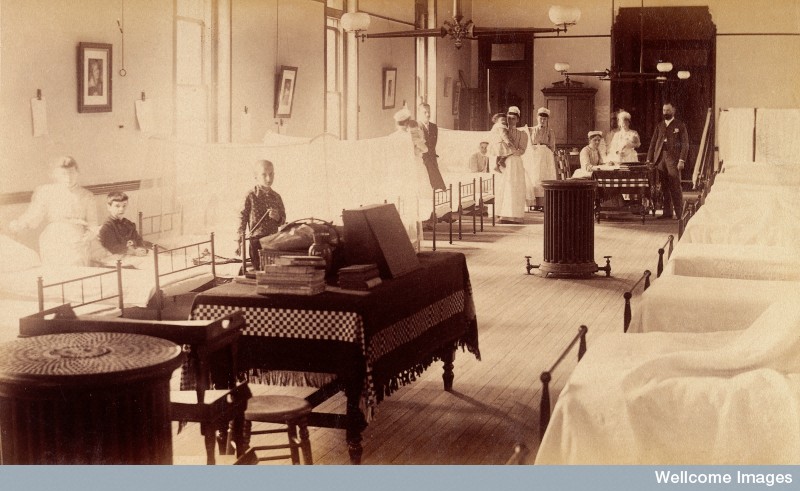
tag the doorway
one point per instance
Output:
(505, 68)
(683, 36)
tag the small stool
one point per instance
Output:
(284, 410)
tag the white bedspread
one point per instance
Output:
(138, 285)
(754, 262)
(692, 304)
(771, 223)
(659, 398)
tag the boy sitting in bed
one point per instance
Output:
(263, 210)
(118, 235)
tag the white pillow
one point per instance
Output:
(16, 257)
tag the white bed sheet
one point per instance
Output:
(680, 398)
(693, 304)
(138, 285)
(754, 262)
(772, 223)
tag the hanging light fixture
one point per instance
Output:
(459, 30)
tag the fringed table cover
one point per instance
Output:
(386, 337)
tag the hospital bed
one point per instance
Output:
(698, 304)
(726, 397)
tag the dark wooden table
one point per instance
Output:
(366, 344)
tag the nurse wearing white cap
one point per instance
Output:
(543, 164)
(590, 155)
(510, 197)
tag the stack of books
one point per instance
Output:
(359, 277)
(293, 275)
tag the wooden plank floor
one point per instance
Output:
(524, 323)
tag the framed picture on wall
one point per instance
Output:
(447, 82)
(284, 93)
(456, 96)
(389, 87)
(94, 78)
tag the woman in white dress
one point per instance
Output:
(625, 141)
(590, 156)
(69, 211)
(511, 191)
(409, 184)
(543, 164)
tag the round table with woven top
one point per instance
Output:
(86, 398)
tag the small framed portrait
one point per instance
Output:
(447, 82)
(94, 78)
(389, 87)
(456, 96)
(284, 95)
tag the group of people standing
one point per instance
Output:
(667, 153)
(519, 182)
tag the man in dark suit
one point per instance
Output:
(669, 148)
(431, 132)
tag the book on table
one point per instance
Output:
(315, 261)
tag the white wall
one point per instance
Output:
(39, 43)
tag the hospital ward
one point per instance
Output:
(412, 232)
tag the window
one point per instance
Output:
(191, 90)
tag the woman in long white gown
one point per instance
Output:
(624, 142)
(511, 191)
(410, 184)
(69, 211)
(542, 166)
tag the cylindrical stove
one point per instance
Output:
(569, 228)
(86, 398)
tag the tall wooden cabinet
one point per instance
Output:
(571, 108)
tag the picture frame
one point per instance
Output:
(447, 82)
(389, 87)
(284, 91)
(456, 96)
(94, 77)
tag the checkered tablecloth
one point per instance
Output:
(623, 183)
(377, 328)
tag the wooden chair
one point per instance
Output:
(442, 210)
(486, 196)
(467, 204)
(562, 165)
(292, 413)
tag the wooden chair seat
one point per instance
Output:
(276, 409)
(292, 412)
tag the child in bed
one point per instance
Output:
(500, 145)
(118, 236)
(263, 211)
